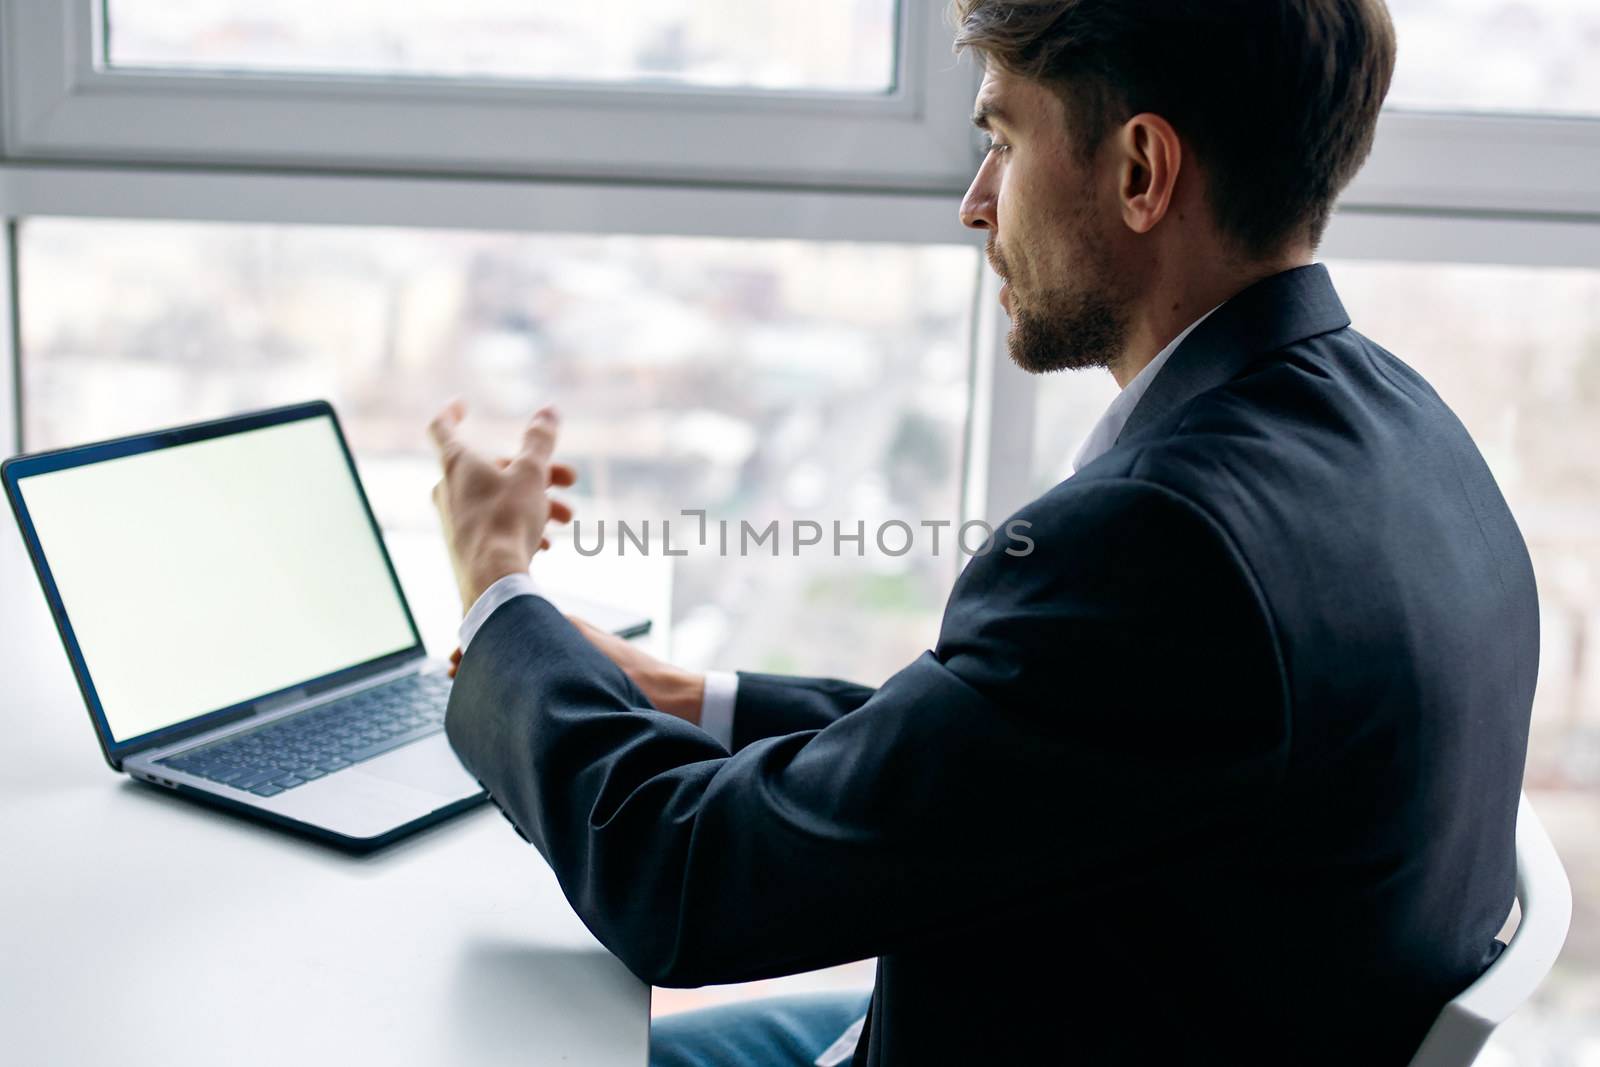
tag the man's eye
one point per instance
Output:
(996, 146)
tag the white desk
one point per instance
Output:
(137, 927)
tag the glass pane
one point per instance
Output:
(1515, 351)
(760, 380)
(838, 45)
(1497, 55)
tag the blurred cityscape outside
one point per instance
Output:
(759, 380)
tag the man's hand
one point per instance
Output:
(671, 689)
(494, 512)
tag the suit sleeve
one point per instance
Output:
(770, 705)
(1090, 708)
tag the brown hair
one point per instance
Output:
(1277, 98)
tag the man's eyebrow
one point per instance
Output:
(988, 113)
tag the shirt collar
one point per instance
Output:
(1106, 431)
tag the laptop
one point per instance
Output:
(236, 626)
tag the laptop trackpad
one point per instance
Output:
(429, 764)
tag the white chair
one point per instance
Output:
(1464, 1026)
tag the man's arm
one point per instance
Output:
(735, 709)
(1093, 713)
(771, 705)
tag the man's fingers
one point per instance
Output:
(443, 427)
(442, 430)
(539, 439)
(544, 543)
(561, 476)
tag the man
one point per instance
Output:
(1225, 769)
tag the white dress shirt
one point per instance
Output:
(722, 687)
(1109, 428)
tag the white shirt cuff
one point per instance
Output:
(844, 1048)
(507, 588)
(716, 707)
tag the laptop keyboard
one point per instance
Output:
(304, 747)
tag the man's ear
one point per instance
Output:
(1149, 157)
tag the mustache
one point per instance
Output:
(997, 259)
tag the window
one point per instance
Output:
(1495, 108)
(1530, 56)
(760, 380)
(835, 45)
(836, 93)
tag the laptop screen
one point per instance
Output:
(204, 575)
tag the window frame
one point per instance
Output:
(65, 105)
(1485, 163)
(10, 342)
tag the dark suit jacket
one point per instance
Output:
(1226, 769)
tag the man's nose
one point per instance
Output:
(978, 206)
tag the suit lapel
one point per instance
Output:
(1271, 314)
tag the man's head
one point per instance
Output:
(1140, 148)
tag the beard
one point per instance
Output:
(1068, 328)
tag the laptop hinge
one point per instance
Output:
(286, 703)
(282, 700)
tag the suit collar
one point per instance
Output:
(1271, 314)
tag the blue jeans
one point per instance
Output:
(776, 1032)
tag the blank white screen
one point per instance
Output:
(204, 575)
